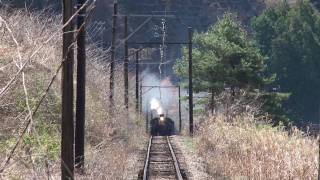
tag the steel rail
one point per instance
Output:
(175, 161)
(146, 165)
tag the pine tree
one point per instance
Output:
(290, 37)
(224, 58)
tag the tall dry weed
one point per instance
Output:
(243, 146)
(109, 143)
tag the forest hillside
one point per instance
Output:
(252, 111)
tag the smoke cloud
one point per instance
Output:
(161, 100)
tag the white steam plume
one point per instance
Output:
(156, 105)
(160, 100)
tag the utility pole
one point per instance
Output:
(137, 81)
(212, 101)
(180, 121)
(140, 97)
(113, 43)
(67, 123)
(126, 62)
(147, 116)
(81, 86)
(190, 33)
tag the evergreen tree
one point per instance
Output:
(224, 57)
(290, 37)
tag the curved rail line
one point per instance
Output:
(161, 161)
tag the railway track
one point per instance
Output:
(161, 161)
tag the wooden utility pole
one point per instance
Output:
(126, 62)
(180, 121)
(147, 116)
(212, 101)
(137, 81)
(190, 83)
(81, 86)
(140, 97)
(112, 64)
(67, 123)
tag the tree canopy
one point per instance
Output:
(290, 37)
(223, 58)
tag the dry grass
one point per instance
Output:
(244, 148)
(109, 144)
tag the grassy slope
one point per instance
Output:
(242, 148)
(109, 146)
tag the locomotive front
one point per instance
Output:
(161, 125)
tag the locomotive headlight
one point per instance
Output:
(162, 117)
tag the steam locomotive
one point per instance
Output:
(162, 126)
